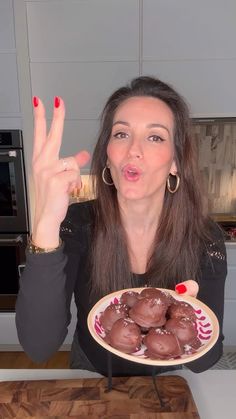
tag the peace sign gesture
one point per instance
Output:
(54, 178)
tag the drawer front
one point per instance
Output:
(229, 323)
(231, 254)
(230, 284)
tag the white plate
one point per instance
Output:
(207, 325)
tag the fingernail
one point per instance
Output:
(56, 102)
(35, 101)
(180, 288)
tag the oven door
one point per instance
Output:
(12, 261)
(13, 204)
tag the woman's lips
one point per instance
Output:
(131, 173)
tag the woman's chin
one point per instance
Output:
(131, 195)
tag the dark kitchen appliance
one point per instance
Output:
(14, 225)
(12, 260)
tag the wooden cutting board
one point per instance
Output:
(130, 398)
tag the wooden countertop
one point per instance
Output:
(208, 388)
(224, 217)
(130, 398)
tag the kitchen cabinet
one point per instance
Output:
(182, 44)
(230, 297)
(8, 335)
(9, 97)
(83, 59)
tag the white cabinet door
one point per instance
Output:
(230, 298)
(104, 30)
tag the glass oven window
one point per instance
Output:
(10, 259)
(8, 203)
(12, 262)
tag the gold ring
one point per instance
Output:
(65, 165)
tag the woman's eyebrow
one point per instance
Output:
(121, 123)
(158, 126)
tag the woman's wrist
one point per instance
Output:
(45, 235)
(33, 248)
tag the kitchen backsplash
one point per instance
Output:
(217, 160)
(85, 192)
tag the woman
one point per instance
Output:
(146, 227)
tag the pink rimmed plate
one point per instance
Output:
(207, 326)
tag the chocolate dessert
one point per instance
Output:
(129, 298)
(150, 292)
(184, 328)
(162, 344)
(149, 312)
(153, 319)
(125, 336)
(181, 309)
(111, 314)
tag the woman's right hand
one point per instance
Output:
(54, 178)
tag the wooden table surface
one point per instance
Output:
(130, 398)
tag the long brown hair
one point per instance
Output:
(182, 226)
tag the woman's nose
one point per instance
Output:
(135, 150)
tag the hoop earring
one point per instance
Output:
(177, 183)
(103, 177)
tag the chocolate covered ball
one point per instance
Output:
(149, 312)
(125, 336)
(181, 309)
(184, 328)
(162, 344)
(191, 347)
(129, 298)
(111, 314)
(150, 292)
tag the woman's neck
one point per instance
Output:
(140, 220)
(141, 216)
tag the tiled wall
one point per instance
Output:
(217, 159)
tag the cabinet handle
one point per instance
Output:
(17, 239)
(11, 153)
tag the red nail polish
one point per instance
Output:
(35, 101)
(180, 288)
(57, 102)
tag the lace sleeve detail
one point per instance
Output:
(216, 250)
(67, 227)
(77, 222)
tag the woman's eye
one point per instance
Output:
(120, 135)
(156, 138)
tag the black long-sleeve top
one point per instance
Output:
(50, 279)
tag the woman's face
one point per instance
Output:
(141, 148)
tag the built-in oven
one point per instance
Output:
(14, 225)
(13, 200)
(12, 261)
